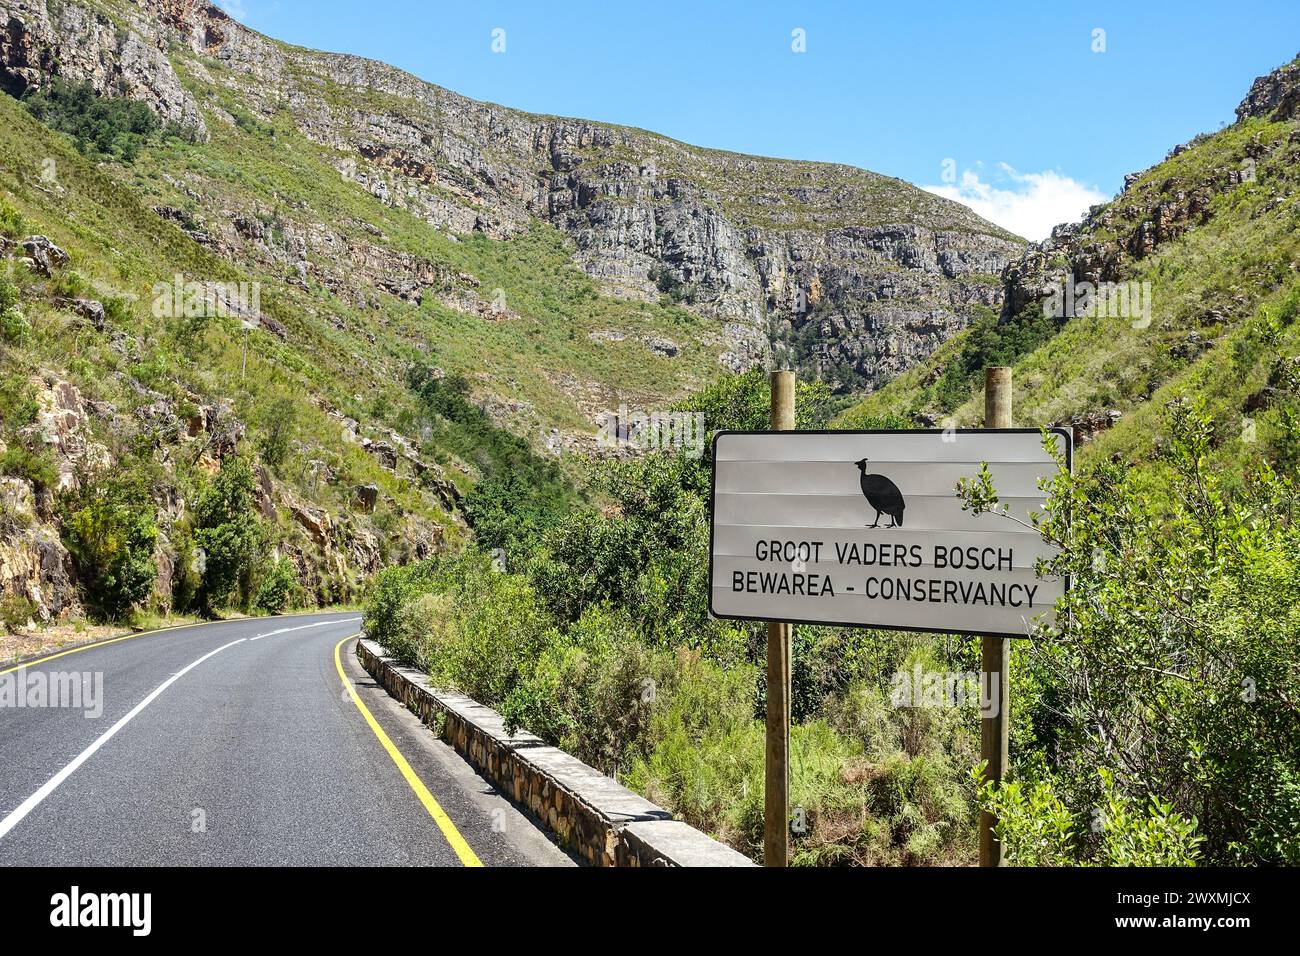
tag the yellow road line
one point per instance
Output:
(156, 630)
(448, 828)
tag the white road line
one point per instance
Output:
(302, 627)
(32, 802)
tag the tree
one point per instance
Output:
(231, 535)
(1176, 655)
(108, 528)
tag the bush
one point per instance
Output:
(279, 427)
(16, 610)
(1178, 647)
(593, 690)
(520, 492)
(36, 467)
(991, 341)
(108, 528)
(187, 572)
(1037, 829)
(277, 587)
(230, 533)
(12, 224)
(492, 635)
(743, 402)
(14, 328)
(109, 126)
(391, 590)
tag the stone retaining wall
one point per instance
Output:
(603, 823)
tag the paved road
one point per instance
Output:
(238, 743)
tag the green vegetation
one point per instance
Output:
(598, 639)
(114, 127)
(231, 535)
(1161, 679)
(160, 374)
(108, 527)
(276, 591)
(519, 489)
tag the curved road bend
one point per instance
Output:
(238, 743)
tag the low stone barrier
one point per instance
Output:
(593, 816)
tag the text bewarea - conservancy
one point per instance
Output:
(887, 587)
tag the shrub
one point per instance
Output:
(521, 492)
(279, 427)
(111, 126)
(14, 328)
(1160, 654)
(593, 690)
(493, 634)
(16, 610)
(232, 536)
(277, 587)
(12, 224)
(187, 572)
(34, 466)
(108, 528)
(1037, 829)
(389, 592)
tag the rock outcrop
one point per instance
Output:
(1275, 96)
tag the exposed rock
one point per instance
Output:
(34, 565)
(264, 491)
(884, 272)
(1088, 426)
(274, 326)
(82, 45)
(1274, 96)
(63, 426)
(662, 345)
(382, 451)
(316, 521)
(91, 310)
(44, 255)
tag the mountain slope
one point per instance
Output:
(865, 272)
(391, 233)
(1213, 232)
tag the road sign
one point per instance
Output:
(866, 529)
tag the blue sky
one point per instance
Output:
(1036, 124)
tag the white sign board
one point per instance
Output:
(866, 529)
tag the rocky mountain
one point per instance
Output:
(885, 272)
(253, 274)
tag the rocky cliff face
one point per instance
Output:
(864, 271)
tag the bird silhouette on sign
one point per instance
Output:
(883, 495)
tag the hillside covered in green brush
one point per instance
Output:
(282, 328)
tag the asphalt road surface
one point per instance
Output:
(237, 743)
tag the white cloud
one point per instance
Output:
(1029, 204)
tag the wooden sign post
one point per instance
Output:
(994, 725)
(776, 778)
